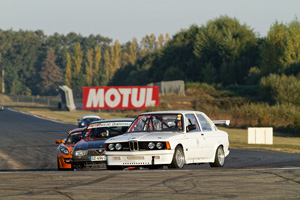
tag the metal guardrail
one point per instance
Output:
(50, 101)
(53, 101)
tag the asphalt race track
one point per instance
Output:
(28, 171)
(28, 142)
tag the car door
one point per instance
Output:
(208, 136)
(194, 138)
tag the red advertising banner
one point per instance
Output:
(121, 97)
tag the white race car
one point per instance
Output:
(169, 138)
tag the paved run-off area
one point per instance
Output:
(272, 183)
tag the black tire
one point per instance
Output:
(178, 158)
(219, 158)
(113, 167)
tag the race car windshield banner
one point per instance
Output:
(109, 124)
(122, 97)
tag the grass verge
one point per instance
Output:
(239, 139)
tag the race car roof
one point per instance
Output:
(171, 112)
(90, 116)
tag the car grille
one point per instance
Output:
(95, 152)
(134, 146)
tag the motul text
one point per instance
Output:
(133, 97)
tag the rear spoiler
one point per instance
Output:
(216, 122)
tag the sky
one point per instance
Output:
(124, 19)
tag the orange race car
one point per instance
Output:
(66, 146)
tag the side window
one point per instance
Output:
(206, 126)
(191, 120)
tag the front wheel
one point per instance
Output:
(178, 158)
(219, 158)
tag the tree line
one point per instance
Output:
(222, 52)
(226, 53)
(35, 64)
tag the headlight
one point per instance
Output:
(118, 146)
(151, 145)
(111, 147)
(64, 150)
(159, 145)
(80, 153)
(82, 123)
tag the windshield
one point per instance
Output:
(90, 119)
(73, 138)
(105, 132)
(157, 122)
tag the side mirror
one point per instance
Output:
(190, 128)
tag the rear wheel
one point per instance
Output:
(178, 158)
(219, 158)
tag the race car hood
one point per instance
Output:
(94, 144)
(145, 136)
(70, 146)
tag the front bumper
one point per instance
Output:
(87, 162)
(91, 160)
(139, 158)
(65, 162)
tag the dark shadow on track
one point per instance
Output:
(27, 170)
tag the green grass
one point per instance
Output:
(238, 138)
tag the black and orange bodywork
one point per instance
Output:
(90, 151)
(65, 148)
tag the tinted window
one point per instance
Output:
(106, 132)
(206, 126)
(73, 138)
(90, 119)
